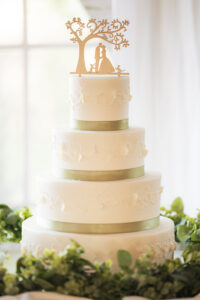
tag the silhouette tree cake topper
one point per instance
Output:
(112, 33)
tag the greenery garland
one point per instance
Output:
(187, 229)
(11, 223)
(70, 273)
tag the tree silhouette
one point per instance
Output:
(111, 33)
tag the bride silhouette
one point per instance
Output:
(105, 65)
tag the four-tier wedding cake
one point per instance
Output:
(99, 194)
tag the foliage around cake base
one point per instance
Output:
(70, 273)
(187, 229)
(11, 223)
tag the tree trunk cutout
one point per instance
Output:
(81, 68)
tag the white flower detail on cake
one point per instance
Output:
(71, 151)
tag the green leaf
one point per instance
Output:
(28, 284)
(5, 209)
(43, 284)
(177, 205)
(11, 219)
(19, 264)
(124, 259)
(195, 236)
(49, 273)
(183, 233)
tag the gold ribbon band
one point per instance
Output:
(85, 175)
(100, 125)
(99, 228)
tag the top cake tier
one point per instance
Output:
(99, 97)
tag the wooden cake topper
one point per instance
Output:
(112, 33)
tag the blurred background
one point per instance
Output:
(164, 60)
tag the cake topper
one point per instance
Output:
(112, 33)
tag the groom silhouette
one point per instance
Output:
(97, 56)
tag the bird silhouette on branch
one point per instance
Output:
(112, 33)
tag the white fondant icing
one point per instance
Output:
(99, 98)
(103, 150)
(100, 202)
(159, 241)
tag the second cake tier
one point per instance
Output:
(98, 151)
(107, 202)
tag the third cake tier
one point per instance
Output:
(119, 201)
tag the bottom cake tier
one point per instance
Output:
(100, 247)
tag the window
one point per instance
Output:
(35, 58)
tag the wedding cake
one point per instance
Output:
(99, 194)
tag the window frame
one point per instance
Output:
(25, 46)
(96, 9)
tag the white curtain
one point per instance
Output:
(164, 60)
